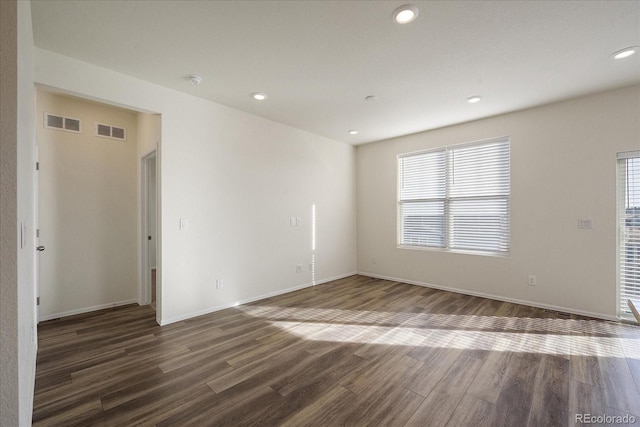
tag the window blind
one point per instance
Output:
(456, 197)
(629, 227)
(422, 199)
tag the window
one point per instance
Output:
(456, 198)
(629, 228)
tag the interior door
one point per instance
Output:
(39, 248)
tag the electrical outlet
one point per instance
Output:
(219, 284)
(298, 268)
(532, 280)
(292, 221)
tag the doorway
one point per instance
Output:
(149, 203)
(88, 204)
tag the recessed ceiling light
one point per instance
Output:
(405, 14)
(371, 98)
(353, 132)
(473, 99)
(194, 79)
(259, 96)
(624, 53)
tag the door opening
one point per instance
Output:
(149, 204)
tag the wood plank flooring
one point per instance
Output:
(356, 351)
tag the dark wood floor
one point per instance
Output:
(357, 351)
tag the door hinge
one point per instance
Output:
(37, 166)
(37, 300)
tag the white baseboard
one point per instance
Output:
(86, 309)
(252, 299)
(494, 297)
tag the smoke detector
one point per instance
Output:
(195, 79)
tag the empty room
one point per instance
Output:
(320, 213)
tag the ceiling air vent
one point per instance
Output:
(103, 130)
(52, 121)
(113, 132)
(118, 133)
(72, 125)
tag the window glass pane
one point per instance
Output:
(480, 170)
(480, 224)
(423, 176)
(422, 224)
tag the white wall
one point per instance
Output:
(88, 209)
(17, 179)
(563, 162)
(149, 128)
(236, 179)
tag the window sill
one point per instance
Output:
(456, 251)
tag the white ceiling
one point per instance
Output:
(317, 60)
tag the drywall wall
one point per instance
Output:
(236, 180)
(563, 168)
(149, 133)
(88, 208)
(9, 351)
(27, 316)
(17, 215)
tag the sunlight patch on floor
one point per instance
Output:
(467, 332)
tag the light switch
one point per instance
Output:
(586, 224)
(292, 221)
(298, 221)
(183, 223)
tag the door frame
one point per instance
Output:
(144, 290)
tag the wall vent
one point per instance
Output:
(113, 132)
(68, 124)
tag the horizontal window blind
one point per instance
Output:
(423, 176)
(456, 197)
(629, 226)
(423, 224)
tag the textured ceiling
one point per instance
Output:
(318, 60)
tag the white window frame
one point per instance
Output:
(448, 200)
